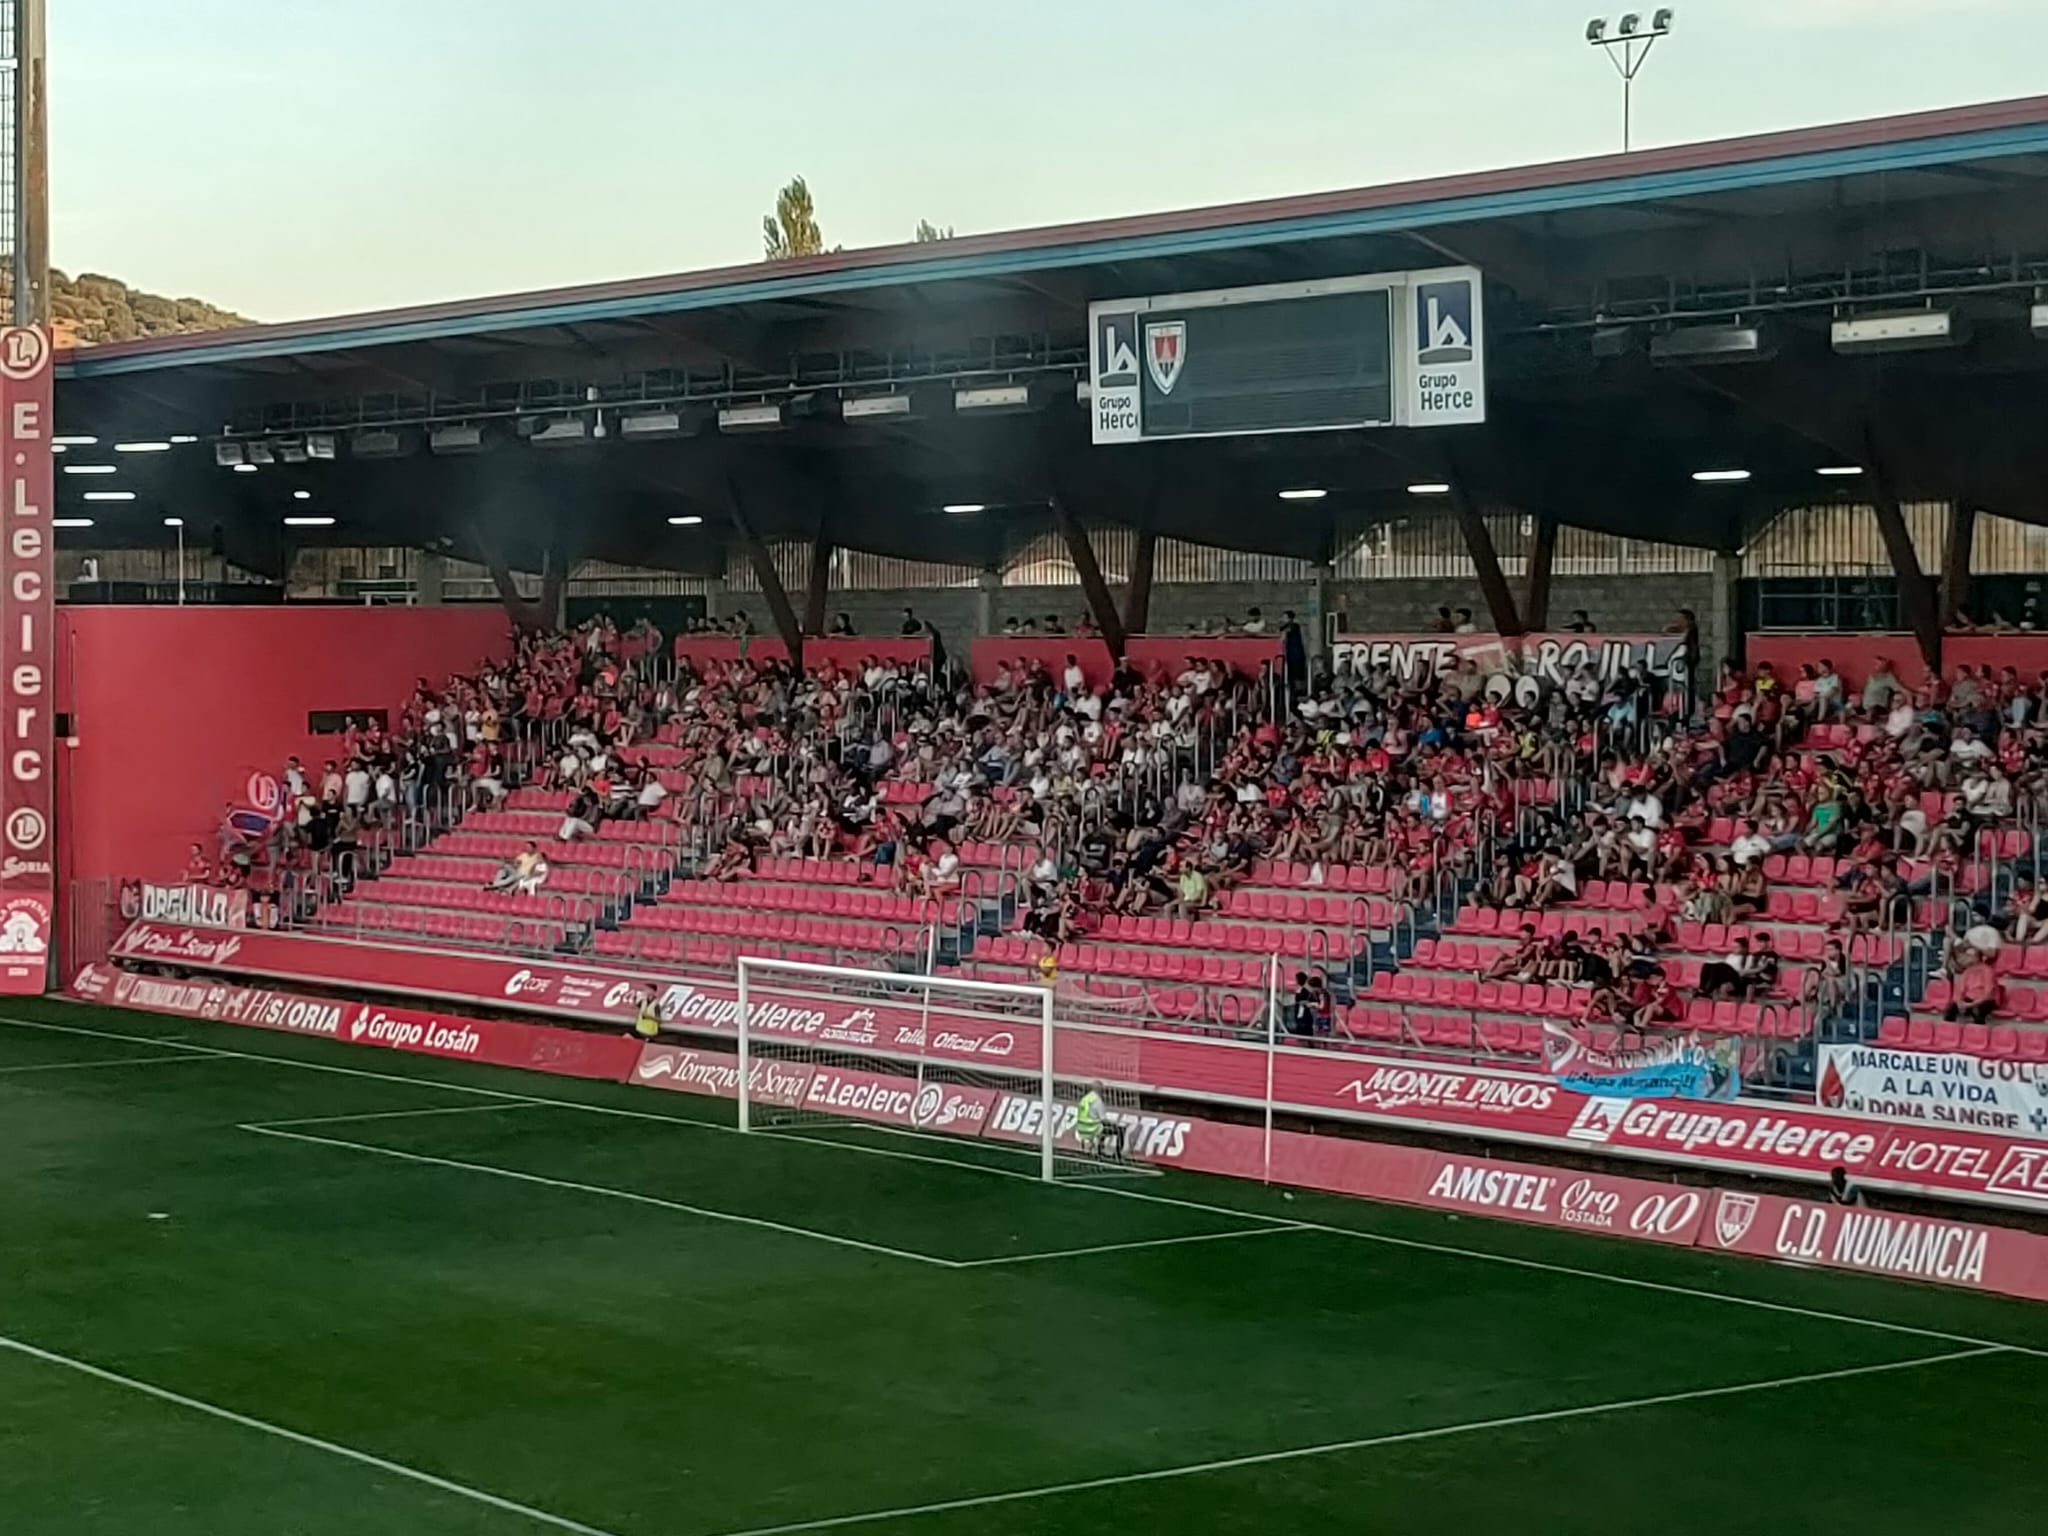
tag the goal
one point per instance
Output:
(907, 1053)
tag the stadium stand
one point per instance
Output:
(1355, 858)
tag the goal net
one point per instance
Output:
(823, 1045)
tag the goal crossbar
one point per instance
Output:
(973, 1057)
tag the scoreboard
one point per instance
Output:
(1399, 349)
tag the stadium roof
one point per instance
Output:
(1583, 260)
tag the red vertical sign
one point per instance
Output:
(27, 649)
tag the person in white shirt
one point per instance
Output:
(1827, 691)
(1645, 806)
(355, 785)
(1072, 680)
(1967, 748)
(384, 793)
(1749, 845)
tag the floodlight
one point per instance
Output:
(1596, 30)
(765, 417)
(1628, 24)
(462, 437)
(1912, 330)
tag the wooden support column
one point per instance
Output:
(819, 585)
(1918, 603)
(1542, 553)
(1955, 560)
(1493, 586)
(1138, 591)
(764, 571)
(1082, 551)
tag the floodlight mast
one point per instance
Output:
(1627, 44)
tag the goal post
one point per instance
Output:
(826, 1045)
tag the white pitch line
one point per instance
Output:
(313, 1442)
(1149, 1242)
(1366, 1442)
(184, 1054)
(1607, 1276)
(1478, 1254)
(615, 1194)
(390, 1114)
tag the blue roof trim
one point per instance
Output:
(2031, 138)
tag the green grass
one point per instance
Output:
(591, 1342)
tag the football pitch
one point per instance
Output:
(255, 1283)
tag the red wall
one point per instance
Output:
(1853, 655)
(171, 707)
(1167, 655)
(841, 651)
(2025, 653)
(991, 651)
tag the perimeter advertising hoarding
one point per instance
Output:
(1931, 1249)
(27, 679)
(1743, 1136)
(1391, 349)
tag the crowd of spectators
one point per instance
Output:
(1153, 794)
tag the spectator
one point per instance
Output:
(1974, 993)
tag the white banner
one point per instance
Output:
(1936, 1088)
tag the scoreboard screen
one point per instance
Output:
(1393, 349)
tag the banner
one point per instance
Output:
(1679, 1067)
(1872, 1242)
(27, 678)
(1940, 1251)
(1937, 1087)
(1741, 1135)
(203, 906)
(1417, 660)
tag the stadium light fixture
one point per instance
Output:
(321, 445)
(459, 437)
(1720, 476)
(70, 522)
(1430, 488)
(640, 426)
(1692, 345)
(688, 520)
(91, 469)
(158, 446)
(174, 522)
(1843, 470)
(890, 407)
(964, 508)
(555, 431)
(764, 417)
(74, 440)
(229, 455)
(1304, 493)
(302, 495)
(259, 453)
(179, 438)
(245, 469)
(1627, 47)
(378, 443)
(309, 522)
(988, 398)
(1913, 330)
(109, 495)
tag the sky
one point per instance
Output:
(288, 158)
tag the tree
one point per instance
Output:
(928, 232)
(792, 230)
